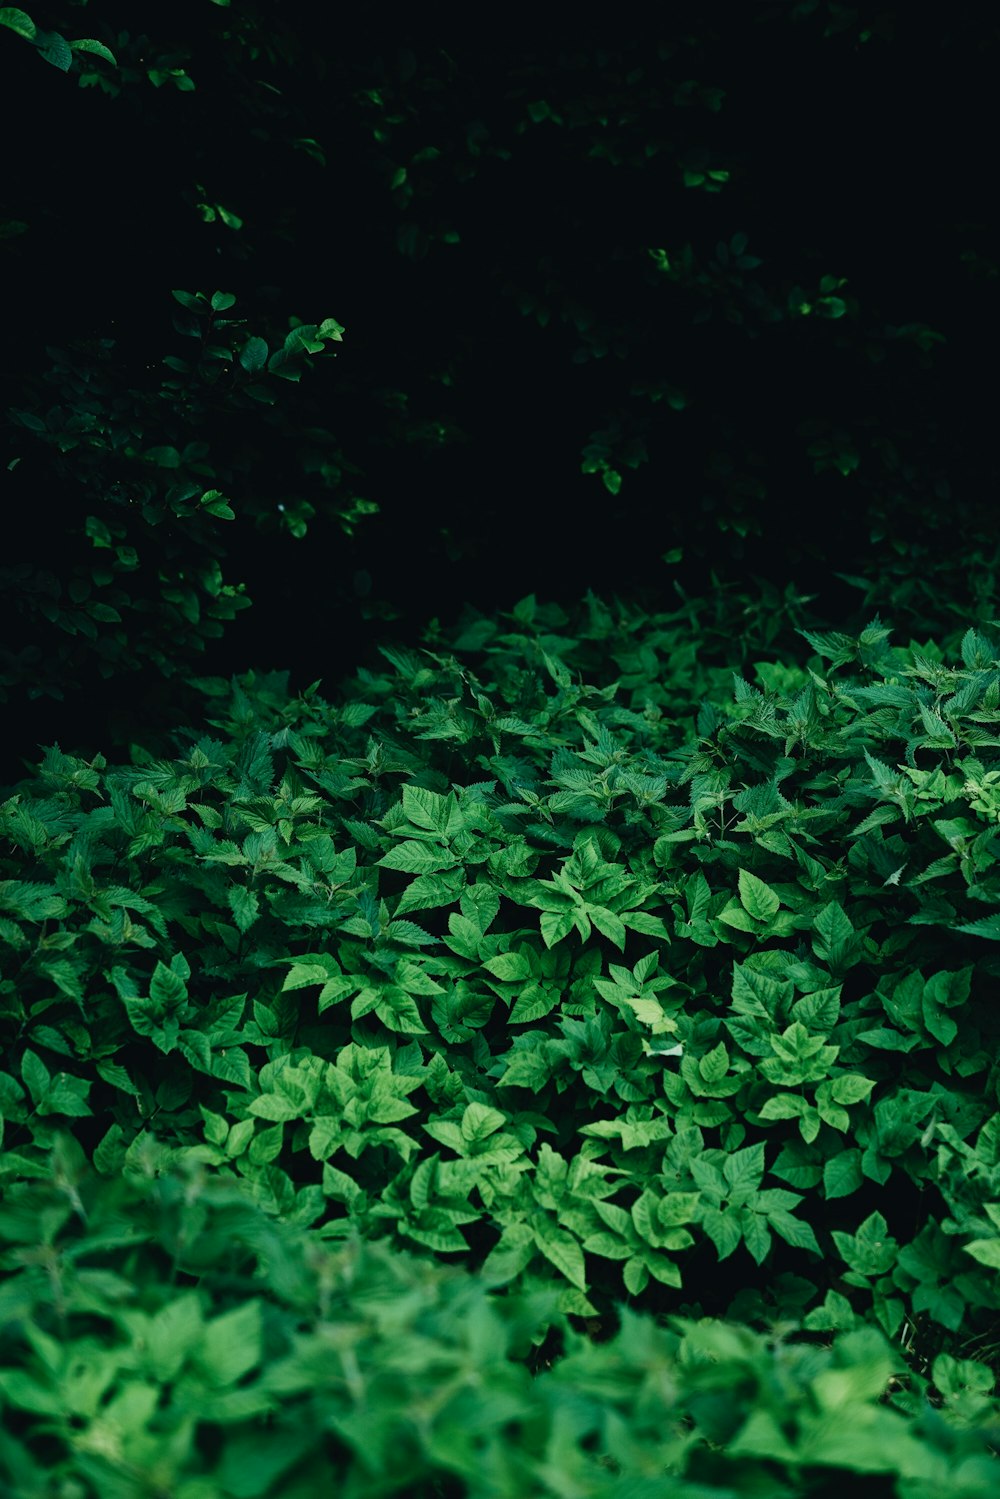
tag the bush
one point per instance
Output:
(544, 949)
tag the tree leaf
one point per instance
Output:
(16, 20)
(253, 355)
(88, 44)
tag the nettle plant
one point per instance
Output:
(561, 955)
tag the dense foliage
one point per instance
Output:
(542, 1049)
(557, 949)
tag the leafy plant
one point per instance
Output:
(477, 960)
(171, 484)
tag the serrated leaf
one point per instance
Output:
(608, 924)
(275, 1107)
(723, 1229)
(986, 1251)
(480, 1121)
(744, 1168)
(850, 1088)
(427, 809)
(842, 1174)
(411, 857)
(533, 1003)
(555, 926)
(563, 1251)
(757, 1237)
(409, 934)
(302, 975)
(757, 898)
(508, 967)
(714, 1065)
(166, 987)
(245, 906)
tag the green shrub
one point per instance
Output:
(547, 950)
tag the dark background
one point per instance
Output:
(858, 145)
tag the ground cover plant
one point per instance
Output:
(561, 1064)
(554, 1052)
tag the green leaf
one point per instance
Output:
(756, 1237)
(216, 1127)
(193, 301)
(555, 926)
(36, 1076)
(87, 44)
(677, 1208)
(173, 1333)
(565, 1253)
(850, 1088)
(723, 1229)
(479, 1121)
(511, 1254)
(232, 1344)
(785, 1106)
(842, 1174)
(409, 934)
(245, 906)
(744, 1168)
(163, 457)
(253, 355)
(607, 1246)
(303, 975)
(508, 967)
(416, 858)
(55, 49)
(762, 1437)
(757, 899)
(239, 1137)
(216, 504)
(793, 1230)
(166, 987)
(608, 924)
(427, 809)
(636, 1276)
(16, 20)
(715, 1064)
(534, 1002)
(275, 1107)
(325, 1137)
(986, 1251)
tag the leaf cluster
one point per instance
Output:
(153, 466)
